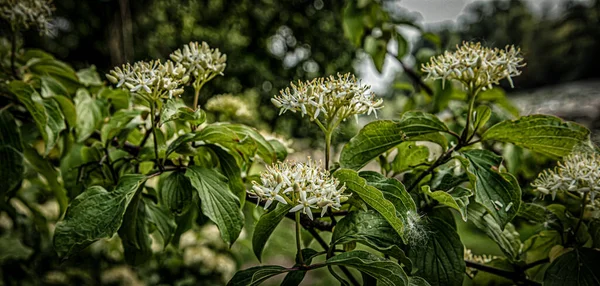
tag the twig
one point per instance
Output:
(514, 276)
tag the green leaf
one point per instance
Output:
(371, 229)
(68, 109)
(58, 70)
(176, 192)
(379, 136)
(119, 98)
(265, 227)
(239, 144)
(374, 139)
(480, 116)
(134, 233)
(256, 275)
(508, 239)
(352, 23)
(417, 281)
(532, 212)
(89, 115)
(89, 76)
(12, 168)
(55, 123)
(232, 171)
(219, 204)
(385, 271)
(457, 198)
(93, 215)
(13, 248)
(498, 192)
(403, 47)
(440, 259)
(372, 197)
(162, 220)
(577, 267)
(393, 191)
(118, 122)
(409, 156)
(175, 109)
(281, 151)
(51, 87)
(376, 48)
(47, 169)
(544, 134)
(264, 149)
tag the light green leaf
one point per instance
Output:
(89, 76)
(240, 145)
(372, 197)
(370, 229)
(68, 109)
(264, 149)
(386, 272)
(89, 115)
(352, 23)
(376, 48)
(281, 151)
(219, 204)
(409, 156)
(175, 109)
(498, 192)
(440, 259)
(394, 191)
(13, 248)
(544, 134)
(176, 192)
(265, 227)
(119, 98)
(480, 116)
(577, 267)
(256, 275)
(162, 220)
(457, 198)
(403, 47)
(508, 239)
(55, 123)
(93, 215)
(51, 87)
(118, 122)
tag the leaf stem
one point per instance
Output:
(327, 150)
(155, 140)
(583, 199)
(465, 132)
(197, 89)
(299, 239)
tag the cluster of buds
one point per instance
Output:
(481, 259)
(26, 14)
(476, 67)
(579, 172)
(152, 79)
(200, 61)
(306, 186)
(336, 98)
(230, 106)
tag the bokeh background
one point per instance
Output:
(270, 43)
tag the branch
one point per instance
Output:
(516, 277)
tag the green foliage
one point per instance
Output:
(384, 271)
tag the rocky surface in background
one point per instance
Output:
(575, 101)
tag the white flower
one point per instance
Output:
(476, 66)
(200, 61)
(579, 172)
(334, 98)
(25, 14)
(153, 79)
(306, 186)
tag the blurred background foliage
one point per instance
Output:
(269, 43)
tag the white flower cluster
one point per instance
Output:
(200, 61)
(304, 185)
(476, 66)
(335, 98)
(153, 79)
(579, 172)
(25, 14)
(481, 259)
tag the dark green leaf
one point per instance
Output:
(440, 259)
(416, 123)
(508, 239)
(372, 197)
(134, 233)
(540, 133)
(46, 169)
(164, 222)
(117, 123)
(294, 278)
(371, 229)
(265, 227)
(255, 275)
(93, 215)
(371, 141)
(417, 281)
(394, 191)
(532, 212)
(498, 192)
(232, 171)
(58, 70)
(385, 271)
(11, 170)
(176, 192)
(218, 202)
(577, 267)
